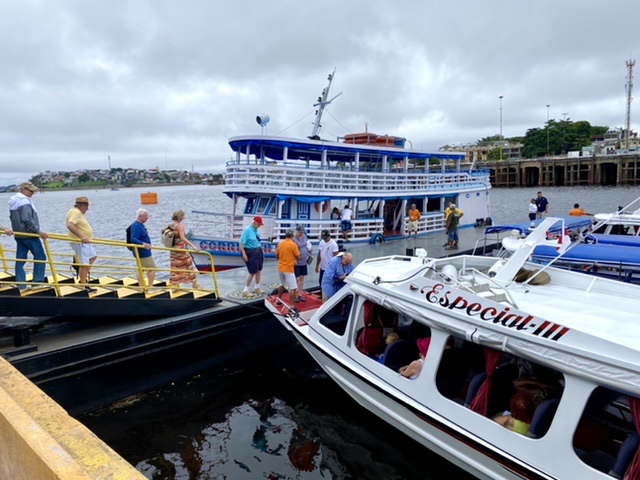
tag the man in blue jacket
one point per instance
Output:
(140, 236)
(24, 218)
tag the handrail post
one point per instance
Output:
(52, 268)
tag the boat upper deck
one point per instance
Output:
(313, 167)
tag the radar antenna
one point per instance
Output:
(321, 104)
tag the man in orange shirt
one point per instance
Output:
(414, 217)
(578, 212)
(287, 253)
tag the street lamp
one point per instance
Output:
(548, 130)
(564, 116)
(500, 139)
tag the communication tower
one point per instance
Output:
(630, 63)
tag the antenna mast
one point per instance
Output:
(630, 63)
(321, 104)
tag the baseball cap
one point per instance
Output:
(258, 220)
(325, 233)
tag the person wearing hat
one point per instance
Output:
(24, 219)
(80, 230)
(252, 255)
(287, 254)
(327, 249)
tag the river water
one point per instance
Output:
(277, 417)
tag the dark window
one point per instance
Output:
(336, 319)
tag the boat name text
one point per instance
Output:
(503, 316)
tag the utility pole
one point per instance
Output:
(500, 97)
(548, 129)
(630, 63)
(109, 157)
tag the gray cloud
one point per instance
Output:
(165, 83)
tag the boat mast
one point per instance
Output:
(321, 103)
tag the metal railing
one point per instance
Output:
(115, 261)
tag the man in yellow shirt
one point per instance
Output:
(80, 230)
(287, 254)
(414, 217)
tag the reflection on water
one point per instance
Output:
(275, 416)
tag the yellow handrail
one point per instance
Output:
(140, 270)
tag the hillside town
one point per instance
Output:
(120, 177)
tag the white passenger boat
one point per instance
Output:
(550, 354)
(624, 221)
(289, 181)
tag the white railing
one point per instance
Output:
(302, 180)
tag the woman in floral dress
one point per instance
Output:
(181, 262)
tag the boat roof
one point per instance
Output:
(311, 150)
(569, 222)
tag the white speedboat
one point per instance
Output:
(624, 221)
(529, 371)
(290, 181)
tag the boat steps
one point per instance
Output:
(7, 277)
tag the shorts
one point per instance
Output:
(346, 225)
(84, 252)
(453, 236)
(413, 226)
(300, 270)
(255, 259)
(288, 280)
(147, 262)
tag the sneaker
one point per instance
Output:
(301, 299)
(258, 291)
(247, 295)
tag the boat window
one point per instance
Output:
(336, 319)
(523, 395)
(606, 437)
(379, 327)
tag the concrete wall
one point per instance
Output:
(40, 441)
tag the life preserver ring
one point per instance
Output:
(376, 238)
(322, 205)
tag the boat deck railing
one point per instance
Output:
(114, 260)
(261, 177)
(363, 228)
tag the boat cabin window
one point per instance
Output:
(523, 395)
(606, 437)
(336, 319)
(377, 328)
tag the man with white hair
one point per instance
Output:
(24, 219)
(140, 236)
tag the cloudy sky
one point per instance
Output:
(165, 83)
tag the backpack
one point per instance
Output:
(128, 237)
(167, 237)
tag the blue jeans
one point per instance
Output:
(33, 245)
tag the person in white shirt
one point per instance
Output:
(327, 249)
(345, 222)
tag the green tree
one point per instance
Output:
(84, 177)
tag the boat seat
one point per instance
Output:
(626, 453)
(542, 418)
(474, 386)
(400, 353)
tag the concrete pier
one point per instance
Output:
(39, 440)
(557, 171)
